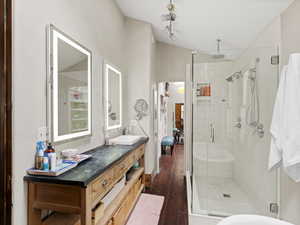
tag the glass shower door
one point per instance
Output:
(230, 156)
(203, 135)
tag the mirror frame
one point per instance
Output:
(52, 85)
(108, 67)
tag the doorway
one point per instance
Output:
(5, 112)
(170, 114)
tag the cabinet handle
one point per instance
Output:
(104, 183)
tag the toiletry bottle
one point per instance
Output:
(49, 149)
(40, 159)
(36, 161)
(52, 161)
(204, 91)
(46, 163)
(39, 155)
(50, 153)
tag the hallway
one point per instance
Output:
(170, 182)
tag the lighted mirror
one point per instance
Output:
(113, 97)
(69, 92)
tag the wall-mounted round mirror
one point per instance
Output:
(141, 108)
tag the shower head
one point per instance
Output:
(218, 56)
(235, 76)
(229, 79)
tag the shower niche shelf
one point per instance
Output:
(203, 98)
(203, 91)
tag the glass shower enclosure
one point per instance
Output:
(232, 102)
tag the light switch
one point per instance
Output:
(43, 133)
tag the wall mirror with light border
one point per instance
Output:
(69, 87)
(113, 97)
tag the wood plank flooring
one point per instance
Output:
(170, 182)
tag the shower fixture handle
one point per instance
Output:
(238, 123)
(260, 130)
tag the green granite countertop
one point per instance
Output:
(102, 158)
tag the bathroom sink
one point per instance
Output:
(124, 140)
(252, 220)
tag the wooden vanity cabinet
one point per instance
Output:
(85, 200)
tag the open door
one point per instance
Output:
(179, 115)
(5, 112)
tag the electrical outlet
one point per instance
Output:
(43, 133)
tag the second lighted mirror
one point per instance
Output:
(113, 97)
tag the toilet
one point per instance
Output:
(252, 220)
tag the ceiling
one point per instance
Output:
(200, 22)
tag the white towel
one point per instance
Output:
(275, 156)
(285, 127)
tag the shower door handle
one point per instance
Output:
(212, 133)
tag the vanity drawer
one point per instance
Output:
(131, 159)
(97, 213)
(139, 152)
(102, 184)
(121, 215)
(122, 167)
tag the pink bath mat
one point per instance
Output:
(147, 210)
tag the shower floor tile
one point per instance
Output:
(220, 196)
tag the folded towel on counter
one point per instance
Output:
(285, 127)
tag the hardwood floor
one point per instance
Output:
(170, 182)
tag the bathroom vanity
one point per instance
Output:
(81, 190)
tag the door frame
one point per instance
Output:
(157, 145)
(5, 111)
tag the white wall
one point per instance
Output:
(290, 191)
(97, 25)
(171, 62)
(140, 68)
(251, 152)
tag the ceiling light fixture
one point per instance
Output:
(218, 54)
(170, 18)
